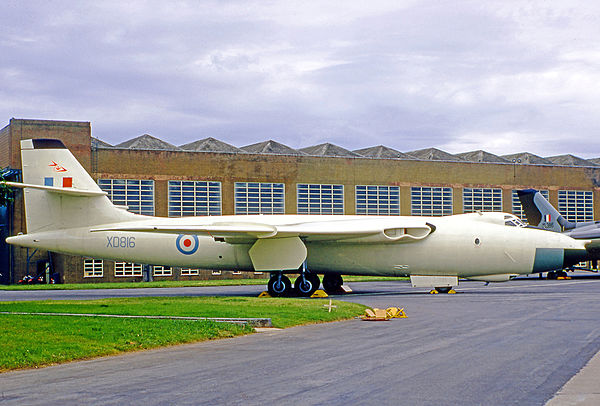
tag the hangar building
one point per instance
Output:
(210, 177)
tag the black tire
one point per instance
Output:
(552, 275)
(314, 278)
(445, 289)
(562, 274)
(332, 283)
(305, 285)
(279, 287)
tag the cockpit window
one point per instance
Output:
(513, 221)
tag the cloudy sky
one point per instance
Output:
(503, 76)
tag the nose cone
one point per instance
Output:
(560, 252)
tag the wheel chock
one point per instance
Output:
(264, 294)
(433, 292)
(564, 277)
(395, 313)
(451, 292)
(319, 293)
(375, 315)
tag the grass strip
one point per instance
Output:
(175, 284)
(33, 340)
(283, 312)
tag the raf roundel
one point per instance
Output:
(187, 244)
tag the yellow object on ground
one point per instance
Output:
(319, 293)
(264, 294)
(395, 313)
(384, 314)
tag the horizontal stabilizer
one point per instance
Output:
(60, 190)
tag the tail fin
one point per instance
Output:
(540, 213)
(59, 193)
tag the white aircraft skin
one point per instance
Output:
(67, 212)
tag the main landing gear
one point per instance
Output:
(279, 285)
(332, 283)
(305, 284)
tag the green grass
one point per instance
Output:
(283, 312)
(173, 284)
(31, 341)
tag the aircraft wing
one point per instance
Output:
(363, 230)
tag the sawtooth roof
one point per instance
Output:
(433, 154)
(271, 147)
(210, 144)
(96, 143)
(481, 156)
(328, 149)
(381, 151)
(147, 141)
(570, 160)
(527, 158)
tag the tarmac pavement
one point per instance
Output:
(514, 343)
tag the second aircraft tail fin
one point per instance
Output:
(540, 213)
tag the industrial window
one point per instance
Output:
(189, 272)
(378, 200)
(136, 194)
(517, 209)
(159, 270)
(259, 198)
(128, 269)
(320, 199)
(93, 268)
(430, 201)
(576, 205)
(482, 199)
(194, 198)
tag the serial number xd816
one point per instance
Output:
(120, 242)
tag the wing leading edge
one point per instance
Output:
(363, 230)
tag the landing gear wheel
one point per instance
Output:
(306, 284)
(445, 289)
(332, 283)
(552, 275)
(279, 285)
(562, 274)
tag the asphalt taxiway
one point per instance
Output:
(512, 343)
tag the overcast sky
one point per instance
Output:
(502, 76)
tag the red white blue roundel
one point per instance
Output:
(187, 244)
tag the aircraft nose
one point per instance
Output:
(551, 259)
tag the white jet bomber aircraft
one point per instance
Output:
(67, 212)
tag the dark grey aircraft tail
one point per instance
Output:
(540, 213)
